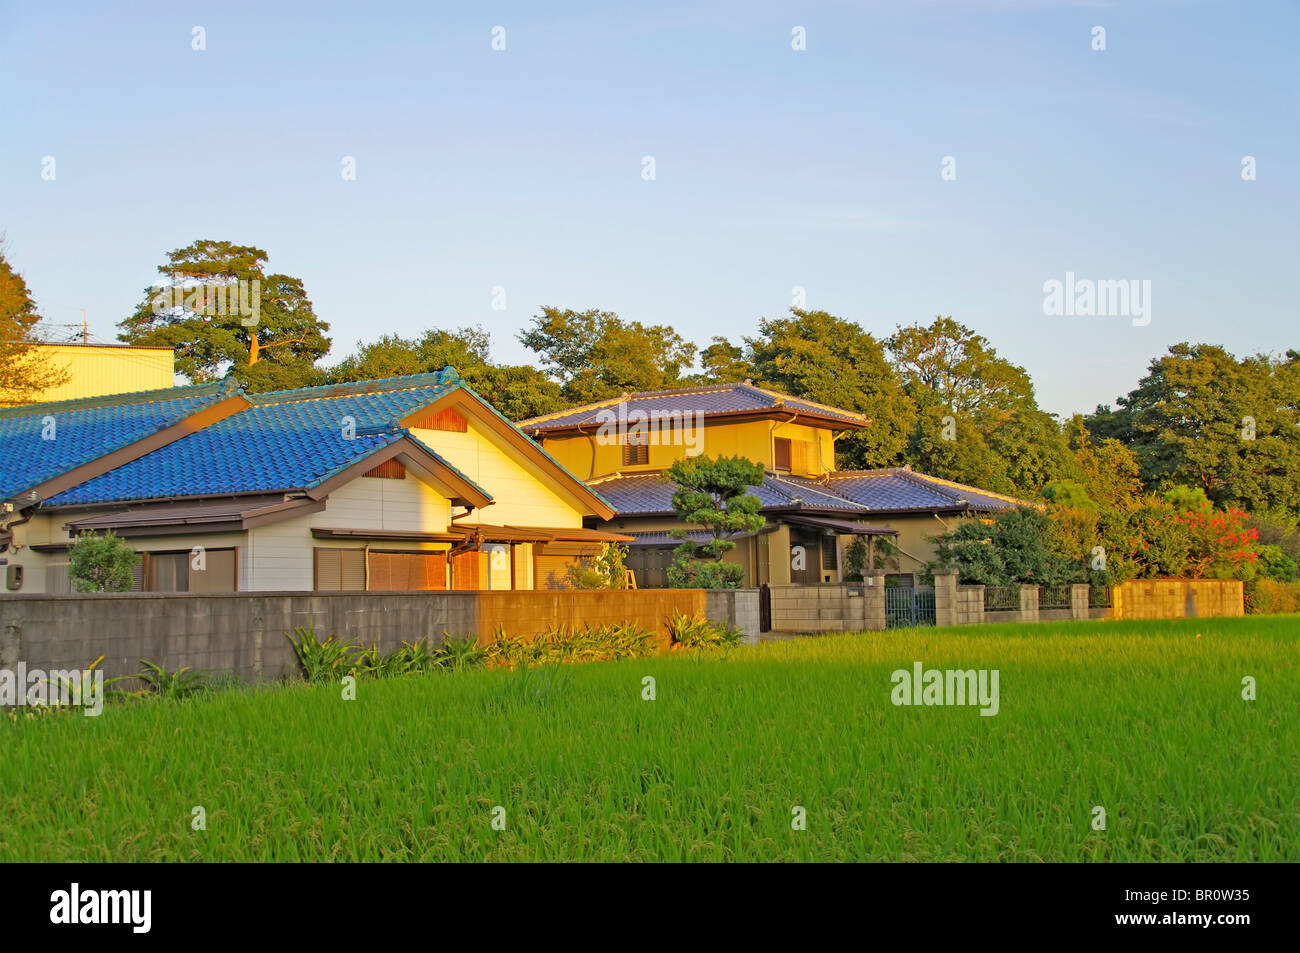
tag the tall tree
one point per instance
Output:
(820, 357)
(596, 354)
(1202, 418)
(978, 420)
(24, 370)
(516, 391)
(222, 314)
(724, 363)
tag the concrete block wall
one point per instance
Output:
(824, 608)
(1177, 598)
(736, 607)
(245, 633)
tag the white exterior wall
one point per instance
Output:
(48, 528)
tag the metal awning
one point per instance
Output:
(536, 534)
(210, 516)
(386, 534)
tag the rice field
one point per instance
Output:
(1144, 720)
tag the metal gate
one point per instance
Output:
(764, 608)
(908, 606)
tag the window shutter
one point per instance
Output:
(328, 571)
(388, 470)
(799, 456)
(447, 420)
(636, 454)
(340, 569)
(57, 578)
(354, 569)
(781, 453)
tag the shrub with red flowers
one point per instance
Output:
(1222, 545)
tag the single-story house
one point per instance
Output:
(398, 484)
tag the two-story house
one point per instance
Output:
(621, 447)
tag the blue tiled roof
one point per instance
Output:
(716, 399)
(290, 440)
(646, 493)
(902, 489)
(86, 429)
(856, 491)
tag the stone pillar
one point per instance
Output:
(873, 599)
(1028, 603)
(1079, 600)
(945, 597)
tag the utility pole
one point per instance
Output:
(85, 333)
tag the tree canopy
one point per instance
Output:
(821, 357)
(24, 371)
(596, 354)
(221, 313)
(517, 391)
(1201, 417)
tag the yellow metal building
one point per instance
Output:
(95, 370)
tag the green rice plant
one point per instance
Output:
(533, 686)
(326, 661)
(1145, 718)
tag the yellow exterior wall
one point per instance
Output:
(98, 369)
(589, 458)
(521, 496)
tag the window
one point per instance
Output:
(168, 572)
(340, 569)
(407, 572)
(57, 578)
(211, 570)
(636, 450)
(781, 453)
(830, 553)
(800, 454)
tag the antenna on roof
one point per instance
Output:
(85, 333)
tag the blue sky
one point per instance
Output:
(774, 168)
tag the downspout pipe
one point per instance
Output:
(7, 532)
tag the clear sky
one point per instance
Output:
(774, 168)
